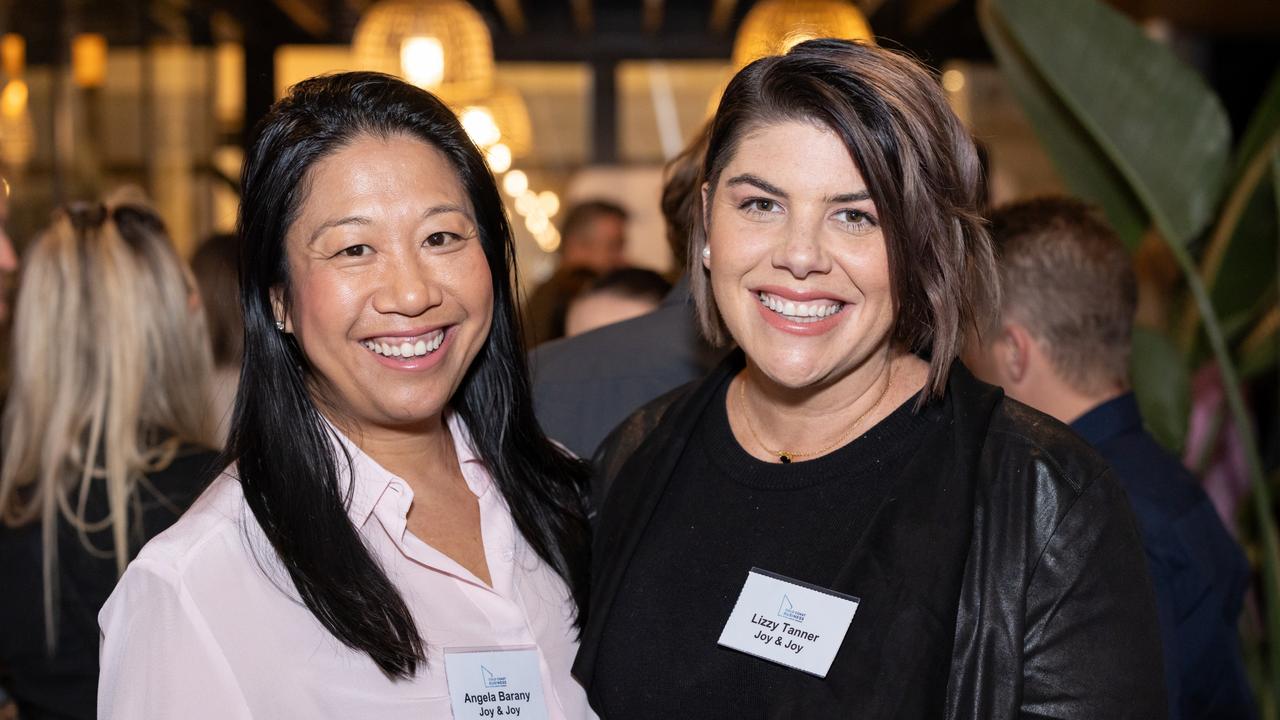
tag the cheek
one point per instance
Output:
(471, 282)
(326, 303)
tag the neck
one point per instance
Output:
(1069, 405)
(411, 452)
(767, 416)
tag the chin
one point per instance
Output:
(791, 373)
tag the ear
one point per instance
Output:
(1015, 351)
(278, 308)
(706, 223)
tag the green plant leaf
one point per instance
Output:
(1163, 387)
(1152, 116)
(1080, 161)
(1238, 262)
(1260, 357)
(1262, 129)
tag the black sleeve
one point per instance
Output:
(1091, 642)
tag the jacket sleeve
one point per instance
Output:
(158, 658)
(1091, 642)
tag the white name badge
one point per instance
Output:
(789, 622)
(495, 683)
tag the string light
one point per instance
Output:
(499, 158)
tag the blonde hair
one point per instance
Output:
(110, 363)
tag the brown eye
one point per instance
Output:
(759, 206)
(856, 219)
(442, 239)
(355, 251)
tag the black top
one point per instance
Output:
(1005, 539)
(723, 513)
(66, 684)
(1198, 571)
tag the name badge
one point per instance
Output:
(495, 683)
(789, 622)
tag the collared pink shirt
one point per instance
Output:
(205, 623)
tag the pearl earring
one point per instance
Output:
(706, 252)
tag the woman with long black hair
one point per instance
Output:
(394, 537)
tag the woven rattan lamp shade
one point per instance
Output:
(507, 108)
(773, 27)
(452, 34)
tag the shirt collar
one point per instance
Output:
(372, 480)
(1113, 417)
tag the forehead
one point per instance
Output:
(796, 155)
(397, 172)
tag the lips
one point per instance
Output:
(406, 347)
(800, 311)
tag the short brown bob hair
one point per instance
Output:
(922, 172)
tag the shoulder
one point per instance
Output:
(207, 537)
(627, 436)
(618, 447)
(1024, 440)
(631, 340)
(1161, 488)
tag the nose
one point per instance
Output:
(801, 251)
(407, 288)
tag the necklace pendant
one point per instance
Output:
(784, 458)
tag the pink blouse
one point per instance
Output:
(205, 622)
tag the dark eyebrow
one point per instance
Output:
(348, 220)
(849, 197)
(445, 208)
(756, 181)
(362, 220)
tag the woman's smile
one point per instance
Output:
(413, 350)
(799, 312)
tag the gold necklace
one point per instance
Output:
(786, 456)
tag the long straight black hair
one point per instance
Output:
(278, 437)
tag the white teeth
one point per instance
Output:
(801, 312)
(407, 348)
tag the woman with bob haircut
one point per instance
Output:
(840, 521)
(395, 537)
(106, 436)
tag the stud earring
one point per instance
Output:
(280, 325)
(706, 252)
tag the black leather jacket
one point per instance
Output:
(1007, 559)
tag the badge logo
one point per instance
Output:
(788, 611)
(492, 681)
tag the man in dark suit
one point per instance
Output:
(585, 385)
(1062, 346)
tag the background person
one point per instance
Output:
(391, 498)
(618, 296)
(216, 269)
(105, 436)
(593, 242)
(585, 385)
(1061, 344)
(827, 476)
(8, 255)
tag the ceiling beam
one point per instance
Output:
(653, 11)
(512, 15)
(307, 17)
(722, 15)
(583, 20)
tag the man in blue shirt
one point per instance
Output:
(1062, 345)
